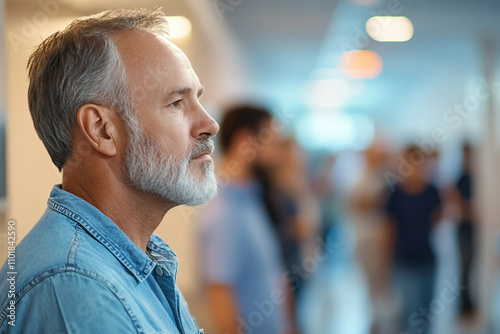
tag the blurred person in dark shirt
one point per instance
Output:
(464, 187)
(413, 208)
(293, 207)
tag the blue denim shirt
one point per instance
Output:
(77, 272)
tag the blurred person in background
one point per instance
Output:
(465, 187)
(330, 202)
(366, 202)
(297, 210)
(241, 256)
(413, 208)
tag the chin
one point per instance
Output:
(201, 191)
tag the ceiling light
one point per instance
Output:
(178, 26)
(389, 28)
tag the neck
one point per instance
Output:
(136, 213)
(414, 185)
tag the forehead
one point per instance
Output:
(151, 61)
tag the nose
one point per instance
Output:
(205, 126)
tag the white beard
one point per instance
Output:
(149, 169)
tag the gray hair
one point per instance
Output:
(81, 65)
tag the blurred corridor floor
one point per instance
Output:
(336, 299)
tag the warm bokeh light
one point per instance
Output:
(361, 64)
(389, 28)
(179, 26)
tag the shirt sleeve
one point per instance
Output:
(70, 302)
(437, 199)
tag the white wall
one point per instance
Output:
(3, 81)
(30, 172)
(488, 190)
(3, 109)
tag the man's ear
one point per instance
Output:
(98, 125)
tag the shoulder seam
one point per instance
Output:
(71, 260)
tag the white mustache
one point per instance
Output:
(202, 146)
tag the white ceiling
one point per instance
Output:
(285, 40)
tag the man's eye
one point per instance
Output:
(176, 104)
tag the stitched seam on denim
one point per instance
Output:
(110, 245)
(178, 310)
(60, 270)
(74, 246)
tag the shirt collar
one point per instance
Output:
(111, 236)
(161, 253)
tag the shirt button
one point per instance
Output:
(159, 271)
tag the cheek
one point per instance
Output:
(177, 120)
(173, 140)
(177, 145)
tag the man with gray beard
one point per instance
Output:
(131, 146)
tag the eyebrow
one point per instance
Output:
(186, 91)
